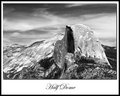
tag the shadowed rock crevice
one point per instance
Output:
(70, 40)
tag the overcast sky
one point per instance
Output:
(26, 23)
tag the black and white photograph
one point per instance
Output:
(59, 41)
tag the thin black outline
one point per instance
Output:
(117, 44)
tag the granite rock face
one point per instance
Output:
(87, 45)
(53, 58)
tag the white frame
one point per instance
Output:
(38, 87)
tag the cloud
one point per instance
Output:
(15, 34)
(75, 4)
(38, 19)
(104, 25)
(41, 23)
(9, 25)
(7, 10)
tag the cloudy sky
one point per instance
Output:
(26, 23)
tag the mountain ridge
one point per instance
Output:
(60, 52)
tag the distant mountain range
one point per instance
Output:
(77, 54)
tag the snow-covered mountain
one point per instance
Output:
(59, 52)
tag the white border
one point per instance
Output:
(62, 2)
(82, 86)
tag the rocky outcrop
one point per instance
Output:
(81, 42)
(86, 44)
(57, 55)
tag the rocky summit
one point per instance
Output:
(76, 54)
